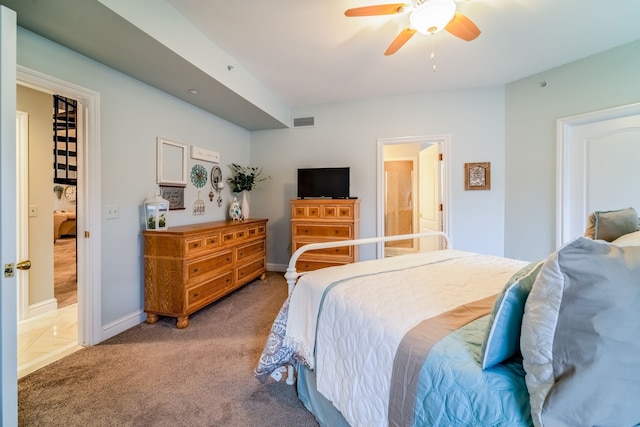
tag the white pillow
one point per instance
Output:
(630, 239)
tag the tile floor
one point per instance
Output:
(47, 338)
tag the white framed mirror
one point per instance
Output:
(171, 162)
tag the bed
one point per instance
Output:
(457, 338)
(64, 223)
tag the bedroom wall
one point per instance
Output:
(604, 80)
(346, 134)
(132, 115)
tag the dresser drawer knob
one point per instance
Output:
(196, 295)
(195, 270)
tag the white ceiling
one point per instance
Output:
(307, 52)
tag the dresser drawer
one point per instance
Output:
(205, 266)
(194, 245)
(206, 292)
(260, 230)
(233, 236)
(250, 271)
(201, 243)
(306, 211)
(247, 251)
(328, 231)
(341, 251)
(310, 265)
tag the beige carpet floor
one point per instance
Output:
(157, 375)
(65, 277)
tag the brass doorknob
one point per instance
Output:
(24, 265)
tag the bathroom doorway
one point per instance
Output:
(412, 191)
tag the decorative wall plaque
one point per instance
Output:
(477, 176)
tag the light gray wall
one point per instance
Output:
(132, 115)
(608, 79)
(346, 135)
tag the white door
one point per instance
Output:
(598, 166)
(8, 259)
(430, 213)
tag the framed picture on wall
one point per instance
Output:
(477, 176)
(174, 194)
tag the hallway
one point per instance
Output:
(46, 338)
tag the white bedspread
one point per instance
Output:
(364, 318)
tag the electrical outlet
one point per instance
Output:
(112, 211)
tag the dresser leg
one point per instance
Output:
(263, 276)
(152, 318)
(183, 322)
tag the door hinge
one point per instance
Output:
(441, 207)
(86, 235)
(440, 157)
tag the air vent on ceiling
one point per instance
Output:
(300, 122)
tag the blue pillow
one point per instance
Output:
(502, 340)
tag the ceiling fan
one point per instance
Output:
(426, 17)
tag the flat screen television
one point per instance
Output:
(323, 182)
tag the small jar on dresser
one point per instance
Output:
(188, 267)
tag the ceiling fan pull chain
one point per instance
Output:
(433, 54)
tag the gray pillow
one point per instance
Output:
(579, 337)
(609, 225)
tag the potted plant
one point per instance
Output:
(242, 180)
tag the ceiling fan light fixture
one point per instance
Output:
(432, 16)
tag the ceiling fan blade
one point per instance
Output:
(379, 9)
(462, 27)
(400, 40)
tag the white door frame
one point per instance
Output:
(22, 211)
(88, 207)
(444, 141)
(570, 194)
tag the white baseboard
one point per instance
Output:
(42, 307)
(277, 267)
(114, 328)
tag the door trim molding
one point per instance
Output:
(444, 142)
(89, 205)
(22, 211)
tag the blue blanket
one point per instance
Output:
(455, 391)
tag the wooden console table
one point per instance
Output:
(188, 267)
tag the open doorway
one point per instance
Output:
(412, 191)
(88, 308)
(47, 303)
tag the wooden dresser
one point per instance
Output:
(324, 220)
(188, 267)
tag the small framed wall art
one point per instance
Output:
(174, 194)
(477, 176)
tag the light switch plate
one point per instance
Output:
(112, 211)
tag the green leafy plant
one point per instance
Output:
(245, 178)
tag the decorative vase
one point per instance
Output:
(234, 210)
(244, 205)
